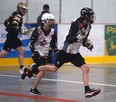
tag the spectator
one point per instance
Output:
(45, 10)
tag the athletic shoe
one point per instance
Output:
(92, 92)
(22, 69)
(34, 91)
(24, 74)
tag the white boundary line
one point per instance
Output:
(59, 80)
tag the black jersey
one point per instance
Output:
(13, 24)
(13, 27)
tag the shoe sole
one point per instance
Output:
(94, 94)
(33, 93)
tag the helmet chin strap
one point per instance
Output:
(91, 22)
(88, 19)
(46, 27)
(45, 22)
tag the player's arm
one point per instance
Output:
(33, 39)
(16, 22)
(88, 43)
(71, 37)
(13, 23)
(53, 43)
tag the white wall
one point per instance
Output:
(70, 9)
(36, 6)
(7, 7)
(105, 11)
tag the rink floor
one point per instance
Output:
(63, 86)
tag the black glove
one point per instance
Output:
(36, 56)
(55, 50)
(31, 46)
(90, 47)
(89, 44)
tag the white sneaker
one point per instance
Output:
(22, 69)
(92, 92)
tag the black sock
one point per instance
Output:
(21, 66)
(87, 88)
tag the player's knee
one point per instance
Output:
(85, 68)
(20, 51)
(54, 69)
(42, 72)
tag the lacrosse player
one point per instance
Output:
(43, 38)
(13, 27)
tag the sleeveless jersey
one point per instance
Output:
(42, 43)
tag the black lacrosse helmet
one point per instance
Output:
(22, 8)
(86, 13)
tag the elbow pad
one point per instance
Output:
(31, 46)
(71, 39)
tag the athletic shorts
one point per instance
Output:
(75, 59)
(12, 43)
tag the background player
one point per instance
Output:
(13, 27)
(46, 9)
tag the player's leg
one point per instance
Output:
(38, 60)
(17, 44)
(39, 75)
(80, 62)
(88, 92)
(20, 50)
(61, 58)
(21, 54)
(52, 68)
(3, 53)
(33, 69)
(85, 74)
(6, 48)
(34, 90)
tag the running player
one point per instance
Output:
(13, 27)
(42, 39)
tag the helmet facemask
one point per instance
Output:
(22, 8)
(90, 18)
(88, 14)
(46, 18)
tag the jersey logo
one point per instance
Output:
(43, 43)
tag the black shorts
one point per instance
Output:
(12, 43)
(75, 59)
